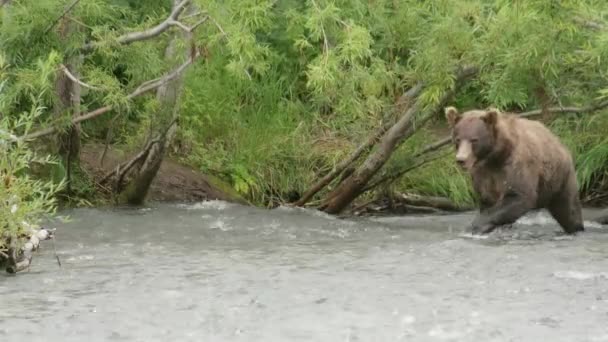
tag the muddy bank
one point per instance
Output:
(175, 182)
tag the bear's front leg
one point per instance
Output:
(512, 206)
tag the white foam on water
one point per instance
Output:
(594, 225)
(286, 208)
(538, 218)
(601, 338)
(408, 319)
(212, 204)
(580, 275)
(473, 236)
(221, 225)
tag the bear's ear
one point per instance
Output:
(490, 117)
(452, 115)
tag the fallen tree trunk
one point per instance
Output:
(404, 101)
(354, 185)
(440, 203)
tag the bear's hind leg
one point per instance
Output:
(567, 211)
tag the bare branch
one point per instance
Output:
(199, 23)
(149, 33)
(180, 25)
(194, 15)
(123, 168)
(67, 72)
(391, 177)
(433, 147)
(142, 89)
(68, 9)
(186, 28)
(564, 110)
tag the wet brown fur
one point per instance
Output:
(522, 159)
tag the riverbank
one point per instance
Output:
(175, 182)
(178, 182)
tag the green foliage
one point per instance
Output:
(287, 88)
(589, 144)
(23, 199)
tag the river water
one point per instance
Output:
(215, 271)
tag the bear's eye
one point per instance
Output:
(473, 141)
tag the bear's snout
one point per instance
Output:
(464, 155)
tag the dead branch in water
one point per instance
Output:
(408, 204)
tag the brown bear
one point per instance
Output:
(516, 165)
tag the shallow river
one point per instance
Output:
(221, 272)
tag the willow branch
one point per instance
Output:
(189, 28)
(566, 110)
(67, 72)
(149, 33)
(142, 89)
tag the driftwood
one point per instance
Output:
(440, 203)
(408, 204)
(18, 258)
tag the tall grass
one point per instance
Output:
(586, 137)
(254, 135)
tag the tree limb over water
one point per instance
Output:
(140, 90)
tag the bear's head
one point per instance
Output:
(474, 135)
